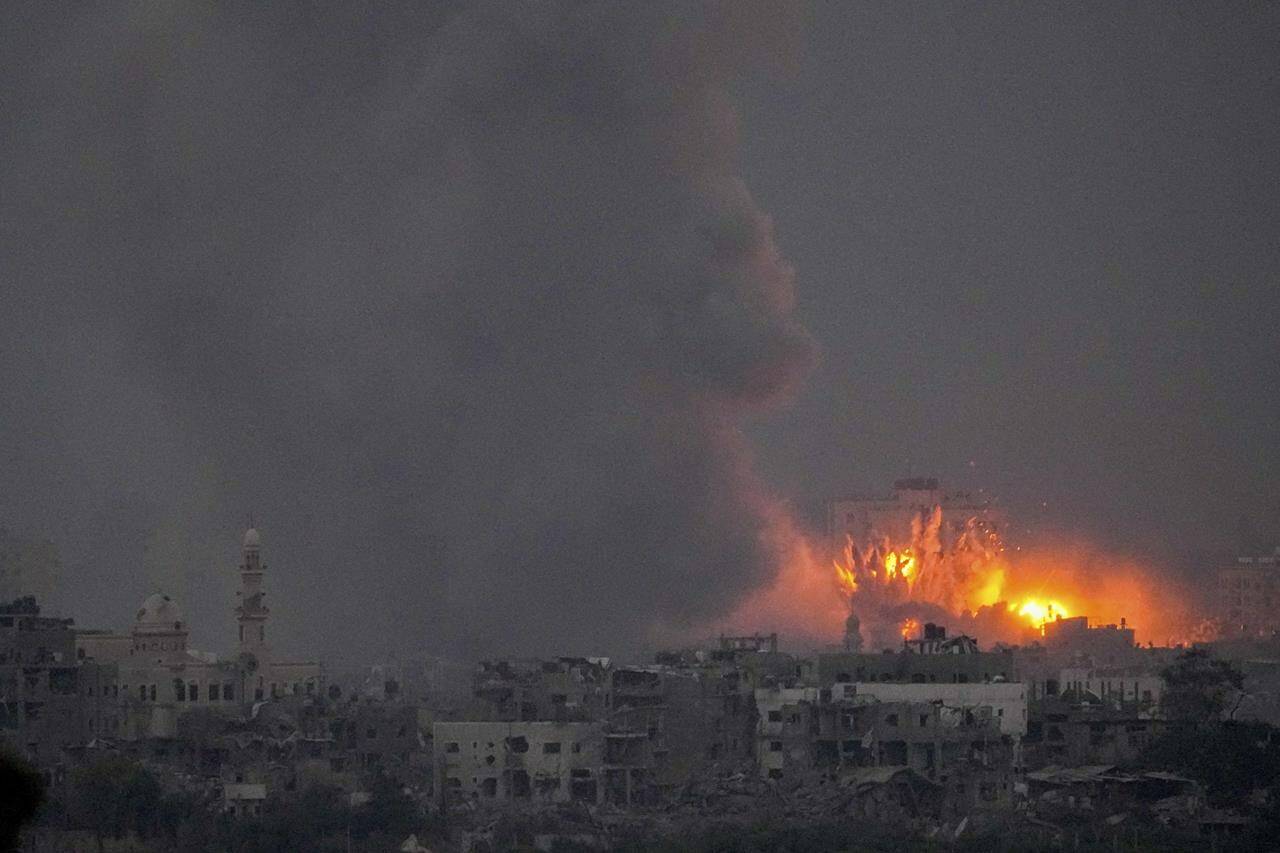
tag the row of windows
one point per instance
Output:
(548, 748)
(162, 646)
(191, 692)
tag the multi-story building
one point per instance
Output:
(1064, 731)
(1006, 701)
(1104, 645)
(541, 761)
(1113, 686)
(1249, 596)
(907, 666)
(48, 700)
(561, 689)
(810, 730)
(916, 498)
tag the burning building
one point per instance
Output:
(888, 566)
(926, 555)
(863, 519)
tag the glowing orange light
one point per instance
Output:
(1039, 612)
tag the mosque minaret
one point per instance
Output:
(251, 613)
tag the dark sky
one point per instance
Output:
(1043, 239)
(515, 326)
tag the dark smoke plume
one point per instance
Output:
(466, 304)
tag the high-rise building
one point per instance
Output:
(912, 503)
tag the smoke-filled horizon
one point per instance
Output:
(466, 305)
(477, 308)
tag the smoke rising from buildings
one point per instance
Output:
(466, 304)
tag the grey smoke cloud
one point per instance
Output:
(466, 303)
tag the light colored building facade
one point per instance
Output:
(540, 761)
(1007, 700)
(159, 677)
(803, 731)
(866, 518)
(1249, 596)
(1114, 685)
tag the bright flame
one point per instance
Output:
(910, 627)
(961, 577)
(1038, 613)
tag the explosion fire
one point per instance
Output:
(959, 574)
(965, 577)
(953, 569)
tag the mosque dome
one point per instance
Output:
(159, 614)
(252, 539)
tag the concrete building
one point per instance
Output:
(805, 731)
(49, 702)
(1007, 701)
(1113, 685)
(244, 799)
(562, 689)
(865, 518)
(538, 761)
(78, 685)
(1249, 596)
(1062, 731)
(1105, 645)
(933, 640)
(906, 666)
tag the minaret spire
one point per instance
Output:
(251, 613)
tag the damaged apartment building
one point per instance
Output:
(958, 743)
(542, 762)
(692, 709)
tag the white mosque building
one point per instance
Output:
(159, 676)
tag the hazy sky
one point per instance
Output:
(514, 325)
(1043, 239)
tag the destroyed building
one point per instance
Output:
(907, 667)
(541, 762)
(1066, 731)
(561, 689)
(933, 640)
(803, 731)
(1007, 701)
(49, 700)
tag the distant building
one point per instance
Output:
(1065, 732)
(1105, 644)
(1114, 686)
(541, 762)
(135, 685)
(750, 643)
(48, 700)
(933, 640)
(244, 799)
(807, 730)
(1249, 596)
(864, 518)
(907, 666)
(1007, 700)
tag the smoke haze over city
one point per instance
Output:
(546, 327)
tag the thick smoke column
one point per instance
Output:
(465, 304)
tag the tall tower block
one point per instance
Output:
(251, 613)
